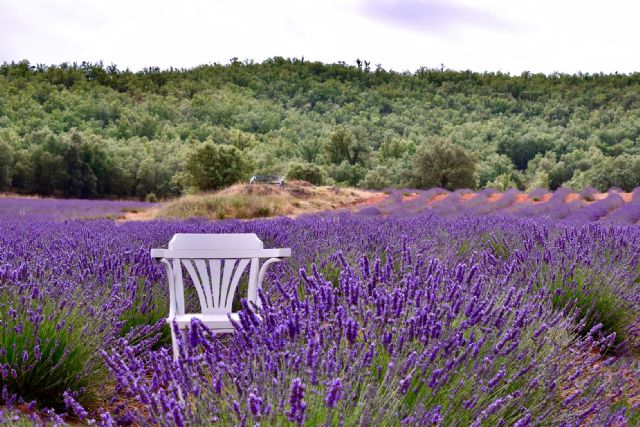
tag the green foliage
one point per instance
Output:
(347, 174)
(489, 168)
(547, 172)
(306, 172)
(213, 166)
(310, 150)
(85, 130)
(6, 165)
(377, 179)
(505, 181)
(438, 163)
(47, 172)
(393, 148)
(347, 145)
(524, 148)
(151, 198)
(622, 171)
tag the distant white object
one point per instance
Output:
(215, 263)
(267, 179)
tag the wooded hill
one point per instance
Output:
(88, 130)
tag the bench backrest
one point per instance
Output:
(214, 274)
(215, 241)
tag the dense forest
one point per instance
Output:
(89, 130)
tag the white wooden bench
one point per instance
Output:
(215, 263)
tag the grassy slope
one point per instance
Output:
(244, 202)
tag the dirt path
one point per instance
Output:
(142, 215)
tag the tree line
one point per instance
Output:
(89, 130)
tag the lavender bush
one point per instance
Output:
(629, 213)
(383, 318)
(589, 194)
(28, 209)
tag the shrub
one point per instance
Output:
(621, 171)
(588, 194)
(48, 347)
(151, 198)
(213, 166)
(594, 301)
(505, 181)
(538, 193)
(347, 174)
(146, 307)
(438, 163)
(376, 179)
(306, 172)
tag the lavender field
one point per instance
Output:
(563, 204)
(416, 311)
(30, 209)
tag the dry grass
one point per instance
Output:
(256, 201)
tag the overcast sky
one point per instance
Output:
(490, 35)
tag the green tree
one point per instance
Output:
(347, 174)
(310, 149)
(348, 145)
(212, 166)
(337, 148)
(523, 148)
(546, 172)
(145, 178)
(622, 171)
(22, 173)
(377, 179)
(393, 148)
(505, 181)
(47, 172)
(80, 180)
(306, 172)
(6, 166)
(492, 166)
(439, 163)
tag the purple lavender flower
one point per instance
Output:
(255, 405)
(334, 394)
(74, 406)
(297, 405)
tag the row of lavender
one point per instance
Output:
(558, 205)
(401, 320)
(563, 204)
(36, 209)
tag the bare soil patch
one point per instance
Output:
(571, 197)
(141, 215)
(494, 197)
(437, 198)
(408, 197)
(544, 198)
